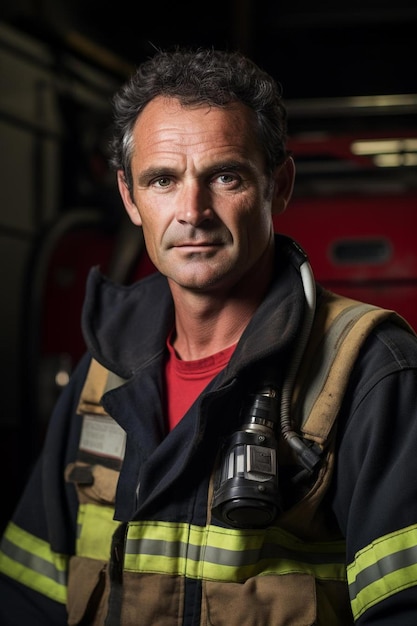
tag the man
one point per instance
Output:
(177, 484)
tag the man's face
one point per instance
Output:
(200, 192)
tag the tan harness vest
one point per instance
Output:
(340, 328)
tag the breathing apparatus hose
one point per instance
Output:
(306, 455)
(246, 490)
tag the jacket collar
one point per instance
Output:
(125, 327)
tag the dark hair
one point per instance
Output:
(202, 76)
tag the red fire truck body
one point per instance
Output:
(361, 246)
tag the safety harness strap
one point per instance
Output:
(99, 380)
(340, 328)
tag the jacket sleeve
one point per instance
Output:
(375, 487)
(40, 537)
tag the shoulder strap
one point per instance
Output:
(101, 436)
(98, 381)
(340, 328)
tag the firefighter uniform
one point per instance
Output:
(116, 523)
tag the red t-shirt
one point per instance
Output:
(185, 380)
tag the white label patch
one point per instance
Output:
(103, 436)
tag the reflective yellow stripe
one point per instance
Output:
(383, 568)
(95, 530)
(214, 553)
(31, 562)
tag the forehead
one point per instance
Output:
(165, 122)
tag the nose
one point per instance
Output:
(194, 206)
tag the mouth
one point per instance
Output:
(198, 244)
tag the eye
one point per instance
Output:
(162, 181)
(227, 179)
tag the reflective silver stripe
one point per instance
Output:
(31, 561)
(383, 568)
(214, 553)
(222, 556)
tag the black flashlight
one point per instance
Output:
(246, 491)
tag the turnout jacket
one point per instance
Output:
(116, 524)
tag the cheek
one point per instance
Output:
(153, 233)
(152, 250)
(258, 230)
(256, 222)
(149, 235)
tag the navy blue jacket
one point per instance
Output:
(373, 494)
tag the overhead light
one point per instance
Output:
(388, 152)
(383, 146)
(395, 160)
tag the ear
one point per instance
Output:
(128, 202)
(283, 186)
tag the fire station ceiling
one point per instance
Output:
(348, 69)
(316, 49)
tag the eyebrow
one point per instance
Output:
(244, 165)
(154, 172)
(230, 165)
